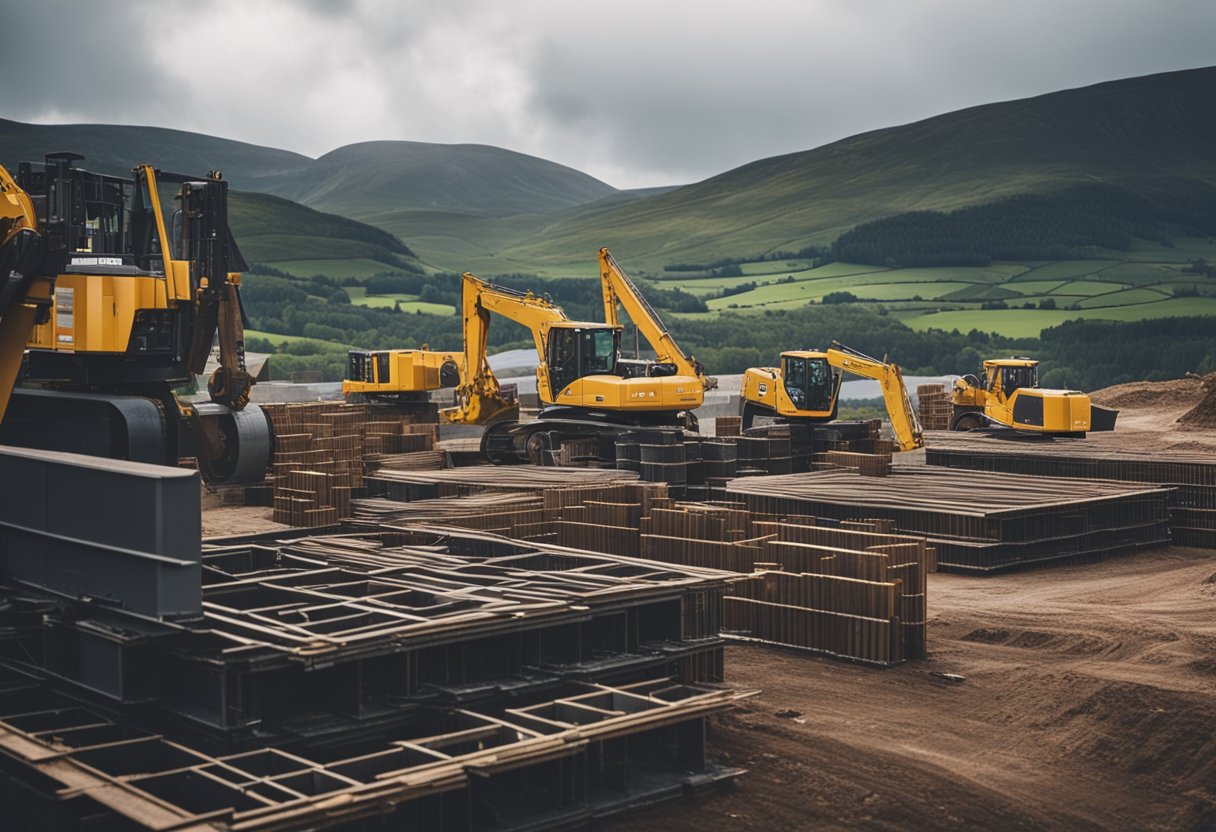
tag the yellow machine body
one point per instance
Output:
(584, 386)
(1009, 395)
(120, 306)
(389, 372)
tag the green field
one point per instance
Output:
(951, 297)
(276, 339)
(1026, 323)
(408, 303)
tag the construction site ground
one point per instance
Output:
(1068, 697)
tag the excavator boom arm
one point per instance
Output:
(619, 290)
(903, 416)
(479, 392)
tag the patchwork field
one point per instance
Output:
(1021, 298)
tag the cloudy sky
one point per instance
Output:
(635, 93)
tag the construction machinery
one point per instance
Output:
(1009, 396)
(109, 303)
(401, 379)
(584, 386)
(806, 388)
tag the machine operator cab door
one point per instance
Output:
(1001, 380)
(576, 352)
(809, 382)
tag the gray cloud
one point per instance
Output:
(637, 93)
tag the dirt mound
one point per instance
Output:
(1149, 395)
(1192, 446)
(1202, 415)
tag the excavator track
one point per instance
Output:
(522, 443)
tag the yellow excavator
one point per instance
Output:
(806, 388)
(1009, 396)
(584, 386)
(108, 303)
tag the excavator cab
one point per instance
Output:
(809, 382)
(582, 350)
(1007, 377)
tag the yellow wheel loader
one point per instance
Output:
(1009, 396)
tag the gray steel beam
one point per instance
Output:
(125, 532)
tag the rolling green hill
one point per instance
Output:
(1151, 135)
(360, 180)
(269, 229)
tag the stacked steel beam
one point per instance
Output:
(453, 482)
(978, 521)
(698, 467)
(1192, 476)
(311, 682)
(329, 639)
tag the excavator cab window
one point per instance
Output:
(1018, 377)
(574, 353)
(809, 383)
(382, 367)
(358, 366)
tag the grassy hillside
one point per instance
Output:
(301, 241)
(1151, 135)
(460, 203)
(115, 149)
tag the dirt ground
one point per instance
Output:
(1088, 697)
(1088, 702)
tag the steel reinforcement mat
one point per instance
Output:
(978, 521)
(1192, 476)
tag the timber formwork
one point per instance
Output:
(558, 762)
(1191, 476)
(976, 521)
